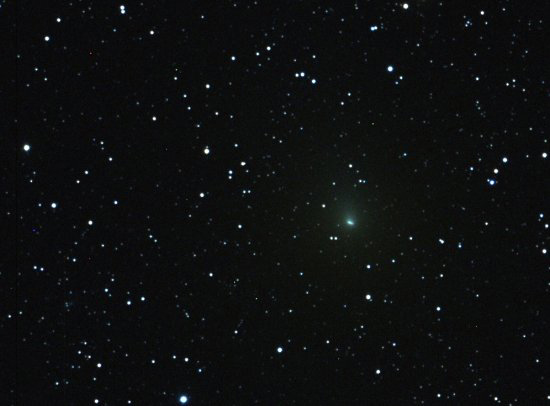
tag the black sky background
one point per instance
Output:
(455, 267)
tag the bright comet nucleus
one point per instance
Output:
(350, 222)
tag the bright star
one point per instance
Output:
(183, 399)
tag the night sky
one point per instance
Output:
(281, 203)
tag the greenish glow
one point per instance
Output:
(350, 222)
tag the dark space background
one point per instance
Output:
(280, 203)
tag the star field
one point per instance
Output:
(279, 203)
